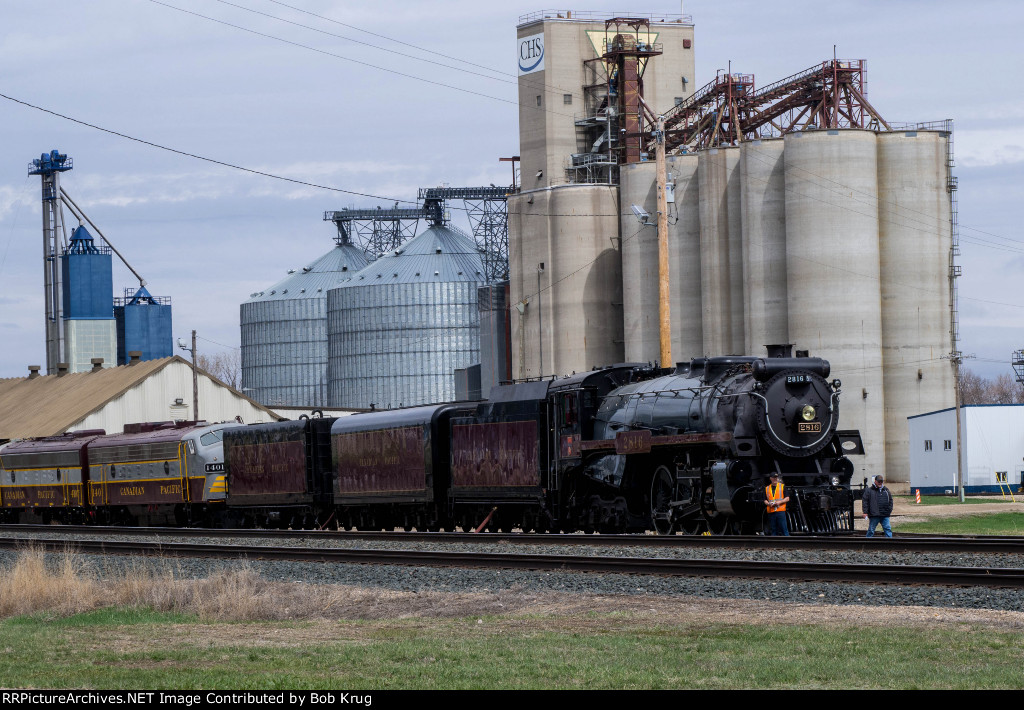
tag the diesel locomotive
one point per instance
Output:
(625, 448)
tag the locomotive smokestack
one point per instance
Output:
(780, 350)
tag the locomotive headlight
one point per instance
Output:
(808, 413)
(835, 480)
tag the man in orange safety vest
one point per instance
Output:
(775, 500)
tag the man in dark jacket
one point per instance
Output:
(877, 506)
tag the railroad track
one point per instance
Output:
(900, 543)
(793, 571)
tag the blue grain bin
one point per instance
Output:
(143, 324)
(87, 272)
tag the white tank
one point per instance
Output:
(716, 168)
(566, 279)
(640, 320)
(833, 272)
(684, 259)
(914, 209)
(763, 197)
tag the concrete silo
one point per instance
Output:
(566, 279)
(640, 322)
(914, 209)
(833, 271)
(720, 250)
(763, 195)
(684, 259)
(284, 332)
(640, 261)
(399, 329)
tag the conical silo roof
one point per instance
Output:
(438, 254)
(314, 280)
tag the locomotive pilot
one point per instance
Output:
(775, 500)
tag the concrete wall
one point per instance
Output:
(833, 272)
(914, 239)
(763, 196)
(684, 258)
(641, 327)
(719, 229)
(571, 316)
(547, 130)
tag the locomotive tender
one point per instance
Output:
(625, 448)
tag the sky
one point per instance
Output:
(367, 102)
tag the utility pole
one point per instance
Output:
(664, 309)
(195, 375)
(956, 360)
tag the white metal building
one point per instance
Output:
(109, 398)
(992, 449)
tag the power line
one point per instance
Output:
(349, 59)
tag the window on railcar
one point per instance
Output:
(211, 437)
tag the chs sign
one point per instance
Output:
(531, 54)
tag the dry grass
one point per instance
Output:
(61, 585)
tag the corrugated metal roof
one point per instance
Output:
(437, 255)
(48, 405)
(315, 280)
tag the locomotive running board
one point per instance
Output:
(640, 442)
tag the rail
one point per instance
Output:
(1008, 577)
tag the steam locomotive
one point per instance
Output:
(625, 448)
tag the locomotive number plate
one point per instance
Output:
(633, 442)
(809, 427)
(214, 468)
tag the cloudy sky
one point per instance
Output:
(381, 98)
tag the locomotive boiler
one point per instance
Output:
(692, 450)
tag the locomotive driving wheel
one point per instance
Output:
(662, 488)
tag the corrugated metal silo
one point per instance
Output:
(284, 332)
(833, 271)
(719, 222)
(684, 259)
(90, 330)
(640, 320)
(399, 329)
(143, 325)
(763, 194)
(914, 209)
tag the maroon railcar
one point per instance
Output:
(391, 468)
(279, 473)
(47, 478)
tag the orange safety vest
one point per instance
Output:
(779, 495)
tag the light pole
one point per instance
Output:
(195, 375)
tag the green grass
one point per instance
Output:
(953, 500)
(983, 524)
(144, 650)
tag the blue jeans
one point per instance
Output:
(777, 524)
(875, 520)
